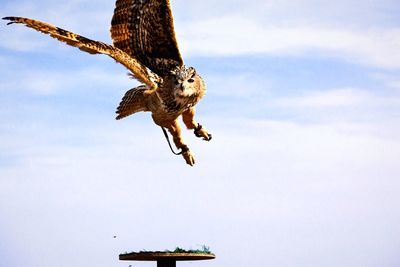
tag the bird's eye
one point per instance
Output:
(191, 80)
(177, 82)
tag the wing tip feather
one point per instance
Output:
(13, 20)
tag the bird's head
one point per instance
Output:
(186, 82)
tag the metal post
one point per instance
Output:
(166, 263)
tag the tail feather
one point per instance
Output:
(134, 100)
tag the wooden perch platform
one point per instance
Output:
(165, 259)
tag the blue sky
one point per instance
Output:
(303, 103)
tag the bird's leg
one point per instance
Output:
(199, 130)
(174, 129)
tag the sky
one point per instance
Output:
(303, 101)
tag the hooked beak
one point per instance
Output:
(182, 87)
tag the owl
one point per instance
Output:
(144, 42)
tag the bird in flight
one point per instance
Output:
(144, 42)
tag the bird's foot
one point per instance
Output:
(188, 156)
(200, 131)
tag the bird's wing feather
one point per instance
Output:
(139, 71)
(144, 29)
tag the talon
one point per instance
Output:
(197, 130)
(188, 156)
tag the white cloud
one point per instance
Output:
(263, 182)
(337, 98)
(20, 40)
(390, 80)
(251, 28)
(237, 35)
(243, 86)
(88, 18)
(325, 193)
(355, 13)
(333, 106)
(46, 81)
(334, 98)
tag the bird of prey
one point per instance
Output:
(144, 42)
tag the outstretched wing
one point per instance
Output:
(139, 71)
(144, 29)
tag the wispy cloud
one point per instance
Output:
(390, 80)
(274, 170)
(243, 86)
(235, 35)
(84, 16)
(47, 81)
(351, 38)
(88, 18)
(338, 105)
(304, 159)
(337, 98)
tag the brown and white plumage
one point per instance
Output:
(145, 30)
(132, 102)
(144, 42)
